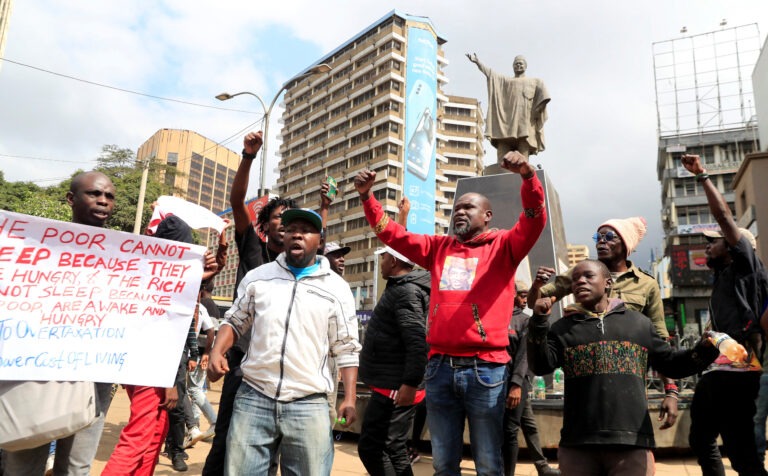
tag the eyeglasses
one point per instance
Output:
(607, 236)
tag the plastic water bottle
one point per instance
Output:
(728, 347)
(539, 388)
(558, 382)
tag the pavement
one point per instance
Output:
(346, 461)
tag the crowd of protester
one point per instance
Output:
(453, 339)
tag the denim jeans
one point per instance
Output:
(760, 416)
(261, 428)
(195, 382)
(475, 393)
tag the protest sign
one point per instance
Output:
(86, 303)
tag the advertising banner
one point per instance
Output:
(421, 129)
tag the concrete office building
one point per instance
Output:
(577, 254)
(381, 106)
(703, 97)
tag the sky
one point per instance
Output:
(595, 58)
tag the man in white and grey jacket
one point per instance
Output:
(297, 310)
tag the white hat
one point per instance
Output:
(394, 253)
(713, 234)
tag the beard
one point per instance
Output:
(716, 263)
(461, 230)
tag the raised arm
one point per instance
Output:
(545, 352)
(251, 145)
(403, 207)
(483, 68)
(529, 226)
(325, 202)
(543, 274)
(717, 205)
(416, 247)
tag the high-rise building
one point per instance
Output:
(577, 254)
(381, 107)
(205, 173)
(703, 98)
(6, 7)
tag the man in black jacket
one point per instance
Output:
(392, 363)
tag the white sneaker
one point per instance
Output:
(209, 433)
(193, 436)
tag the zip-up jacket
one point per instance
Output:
(604, 360)
(293, 325)
(395, 351)
(471, 321)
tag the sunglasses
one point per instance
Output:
(607, 236)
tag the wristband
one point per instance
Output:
(248, 156)
(702, 176)
(670, 386)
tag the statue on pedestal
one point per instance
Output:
(517, 110)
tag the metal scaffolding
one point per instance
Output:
(703, 81)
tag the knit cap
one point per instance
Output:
(631, 230)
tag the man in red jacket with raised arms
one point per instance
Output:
(471, 301)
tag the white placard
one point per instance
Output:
(86, 303)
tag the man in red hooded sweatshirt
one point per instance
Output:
(471, 301)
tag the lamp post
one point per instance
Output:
(320, 68)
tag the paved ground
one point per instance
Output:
(346, 461)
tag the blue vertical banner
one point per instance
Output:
(421, 128)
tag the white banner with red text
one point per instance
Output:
(84, 303)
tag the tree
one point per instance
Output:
(31, 199)
(120, 166)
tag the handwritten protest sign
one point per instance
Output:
(85, 303)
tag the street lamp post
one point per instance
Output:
(320, 68)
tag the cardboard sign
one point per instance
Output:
(86, 303)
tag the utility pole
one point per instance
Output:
(142, 191)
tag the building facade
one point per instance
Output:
(577, 254)
(381, 107)
(751, 198)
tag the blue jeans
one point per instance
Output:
(261, 428)
(475, 393)
(760, 416)
(195, 384)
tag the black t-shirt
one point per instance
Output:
(252, 253)
(737, 294)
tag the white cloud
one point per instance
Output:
(594, 56)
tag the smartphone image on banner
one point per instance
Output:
(333, 187)
(421, 146)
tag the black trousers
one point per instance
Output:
(174, 441)
(724, 404)
(515, 419)
(214, 463)
(383, 437)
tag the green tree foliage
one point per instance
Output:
(121, 166)
(31, 199)
(118, 164)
